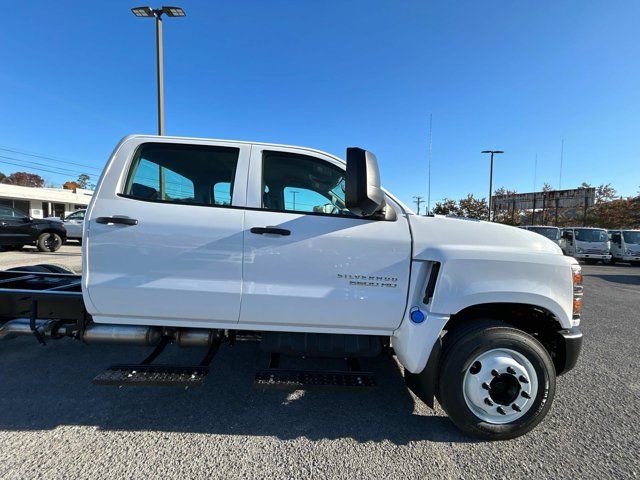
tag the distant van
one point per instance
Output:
(625, 246)
(588, 244)
(552, 233)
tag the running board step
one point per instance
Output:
(310, 379)
(153, 375)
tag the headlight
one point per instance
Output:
(576, 273)
(627, 252)
(579, 250)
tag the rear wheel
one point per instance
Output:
(635, 264)
(496, 382)
(49, 242)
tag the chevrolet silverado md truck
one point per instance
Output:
(197, 242)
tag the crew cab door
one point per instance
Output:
(163, 236)
(309, 264)
(15, 227)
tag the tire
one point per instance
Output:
(590, 261)
(30, 268)
(42, 268)
(49, 242)
(487, 340)
(635, 264)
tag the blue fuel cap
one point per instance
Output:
(416, 315)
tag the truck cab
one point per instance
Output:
(588, 244)
(625, 246)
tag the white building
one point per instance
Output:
(44, 202)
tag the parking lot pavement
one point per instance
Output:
(54, 423)
(68, 256)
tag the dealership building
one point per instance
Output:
(44, 202)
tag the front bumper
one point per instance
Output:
(569, 346)
(593, 256)
(629, 258)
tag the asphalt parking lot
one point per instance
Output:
(68, 256)
(55, 424)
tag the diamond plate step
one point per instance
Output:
(309, 379)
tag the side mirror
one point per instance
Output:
(363, 195)
(26, 219)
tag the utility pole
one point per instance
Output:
(418, 201)
(535, 175)
(491, 152)
(430, 156)
(561, 161)
(157, 13)
(294, 192)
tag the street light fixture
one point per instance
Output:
(157, 13)
(492, 152)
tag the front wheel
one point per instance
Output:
(49, 242)
(496, 382)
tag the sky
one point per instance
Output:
(75, 77)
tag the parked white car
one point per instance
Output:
(73, 224)
(625, 246)
(585, 243)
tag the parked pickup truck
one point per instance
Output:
(198, 242)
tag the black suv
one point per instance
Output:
(18, 229)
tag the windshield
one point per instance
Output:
(549, 232)
(631, 236)
(586, 235)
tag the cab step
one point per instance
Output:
(278, 378)
(187, 376)
(313, 379)
(146, 374)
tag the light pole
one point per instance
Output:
(157, 13)
(492, 152)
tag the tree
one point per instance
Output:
(2, 177)
(83, 180)
(25, 179)
(472, 207)
(446, 207)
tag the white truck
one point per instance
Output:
(585, 243)
(198, 242)
(625, 246)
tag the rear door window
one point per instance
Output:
(186, 174)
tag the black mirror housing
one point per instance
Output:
(363, 195)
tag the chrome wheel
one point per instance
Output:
(500, 386)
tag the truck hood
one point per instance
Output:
(438, 235)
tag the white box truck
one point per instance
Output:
(198, 242)
(625, 246)
(585, 243)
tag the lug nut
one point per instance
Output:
(501, 411)
(488, 402)
(516, 408)
(511, 370)
(525, 395)
(494, 373)
(485, 385)
(523, 379)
